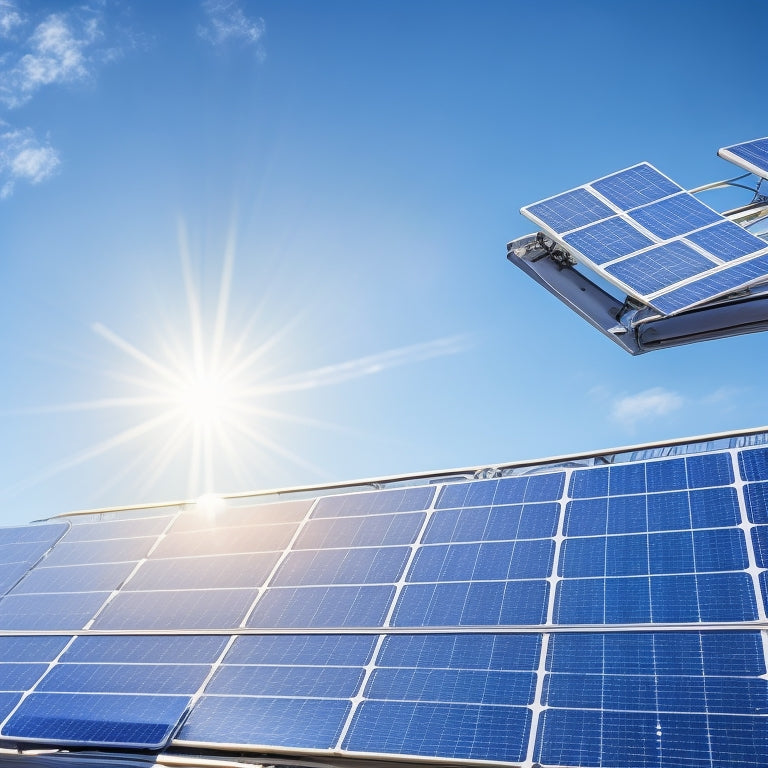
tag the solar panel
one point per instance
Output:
(581, 616)
(658, 243)
(750, 155)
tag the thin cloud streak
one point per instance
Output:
(24, 158)
(365, 366)
(646, 405)
(227, 22)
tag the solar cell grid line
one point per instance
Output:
(739, 460)
(750, 155)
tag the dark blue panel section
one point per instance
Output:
(375, 502)
(589, 483)
(586, 517)
(376, 530)
(627, 514)
(756, 495)
(755, 153)
(10, 573)
(723, 550)
(123, 678)
(662, 653)
(192, 609)
(764, 588)
(146, 650)
(332, 650)
(718, 507)
(50, 612)
(7, 702)
(515, 521)
(603, 601)
(92, 552)
(462, 604)
(294, 682)
(666, 475)
(342, 566)
(659, 267)
(570, 210)
(452, 685)
(213, 572)
(626, 479)
(75, 578)
(703, 597)
(607, 240)
(20, 677)
(440, 730)
(760, 542)
(295, 723)
(145, 722)
(226, 541)
(635, 186)
(466, 651)
(31, 648)
(672, 553)
(725, 280)
(492, 561)
(741, 741)
(709, 469)
(507, 490)
(323, 607)
(675, 216)
(727, 241)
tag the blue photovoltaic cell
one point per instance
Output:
(569, 210)
(760, 541)
(442, 730)
(293, 682)
(659, 267)
(363, 606)
(191, 609)
(118, 529)
(26, 649)
(464, 604)
(7, 702)
(128, 720)
(46, 534)
(375, 502)
(124, 678)
(674, 216)
(342, 566)
(75, 578)
(127, 649)
(214, 571)
(20, 677)
(635, 186)
(507, 490)
(65, 611)
(480, 562)
(512, 521)
(709, 470)
(754, 464)
(335, 650)
(252, 515)
(110, 551)
(727, 241)
(608, 240)
(725, 280)
(465, 651)
(756, 495)
(443, 685)
(373, 530)
(295, 723)
(750, 155)
(21, 547)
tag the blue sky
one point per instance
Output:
(357, 169)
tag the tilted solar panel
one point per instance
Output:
(652, 239)
(598, 616)
(750, 155)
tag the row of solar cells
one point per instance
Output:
(660, 541)
(692, 698)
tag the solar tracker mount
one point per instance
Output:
(647, 263)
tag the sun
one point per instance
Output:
(207, 400)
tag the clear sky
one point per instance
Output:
(353, 171)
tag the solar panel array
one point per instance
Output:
(750, 155)
(599, 616)
(658, 243)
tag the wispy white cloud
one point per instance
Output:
(10, 18)
(62, 49)
(226, 21)
(652, 403)
(24, 158)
